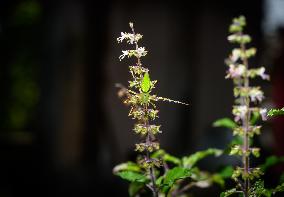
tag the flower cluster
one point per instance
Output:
(130, 38)
(247, 99)
(139, 52)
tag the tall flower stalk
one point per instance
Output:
(139, 97)
(247, 98)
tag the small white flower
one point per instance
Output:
(263, 113)
(126, 36)
(261, 73)
(256, 94)
(131, 25)
(141, 52)
(129, 37)
(240, 112)
(122, 37)
(236, 54)
(124, 53)
(231, 37)
(235, 71)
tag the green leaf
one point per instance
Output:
(276, 112)
(271, 161)
(166, 157)
(165, 189)
(146, 83)
(226, 172)
(228, 192)
(134, 188)
(174, 174)
(225, 122)
(191, 160)
(172, 159)
(128, 166)
(237, 140)
(159, 181)
(158, 154)
(279, 188)
(167, 181)
(133, 176)
(216, 178)
(254, 117)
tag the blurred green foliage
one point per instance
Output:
(27, 13)
(24, 93)
(20, 72)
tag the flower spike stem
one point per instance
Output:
(139, 98)
(246, 123)
(247, 98)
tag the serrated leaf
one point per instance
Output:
(167, 181)
(128, 166)
(191, 160)
(228, 192)
(225, 122)
(174, 174)
(146, 83)
(276, 112)
(133, 176)
(134, 188)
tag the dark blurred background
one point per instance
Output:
(62, 127)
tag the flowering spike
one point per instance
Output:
(247, 98)
(142, 104)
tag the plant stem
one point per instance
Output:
(153, 179)
(148, 137)
(136, 46)
(246, 123)
(148, 141)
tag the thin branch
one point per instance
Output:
(246, 124)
